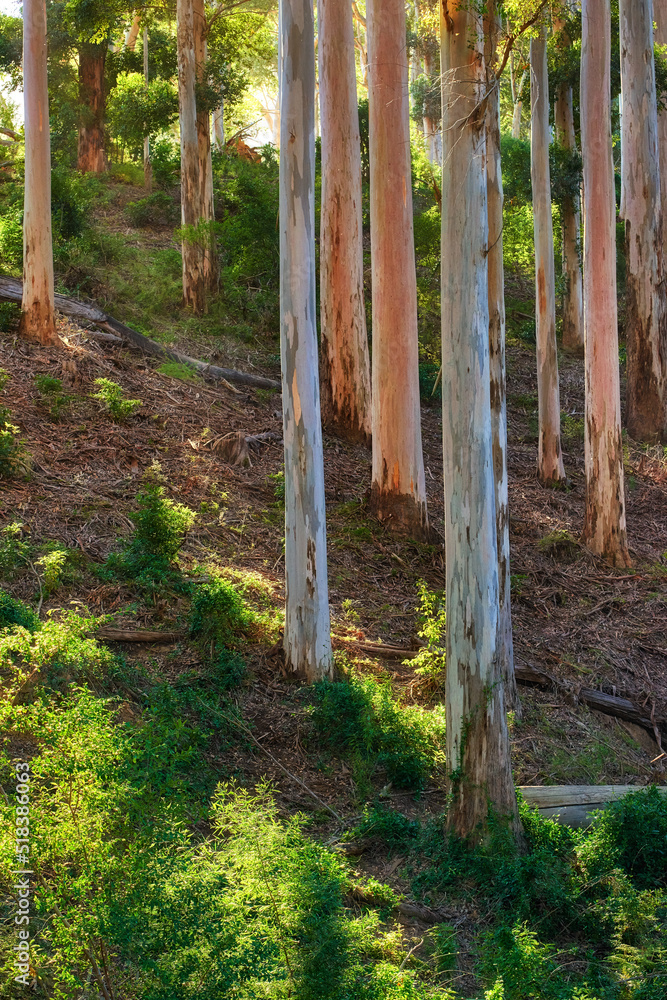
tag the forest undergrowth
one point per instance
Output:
(205, 827)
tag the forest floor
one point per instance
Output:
(574, 617)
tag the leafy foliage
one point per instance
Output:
(157, 209)
(110, 394)
(13, 613)
(135, 111)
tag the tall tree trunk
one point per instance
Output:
(646, 310)
(207, 210)
(91, 156)
(148, 170)
(37, 315)
(516, 99)
(132, 33)
(604, 527)
(194, 287)
(496, 293)
(573, 296)
(219, 126)
(429, 124)
(398, 492)
(550, 459)
(307, 624)
(660, 18)
(344, 363)
(478, 750)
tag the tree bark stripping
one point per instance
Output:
(573, 296)
(345, 380)
(660, 38)
(604, 527)
(398, 489)
(307, 637)
(550, 458)
(91, 156)
(498, 383)
(478, 748)
(10, 291)
(641, 207)
(210, 265)
(194, 286)
(37, 313)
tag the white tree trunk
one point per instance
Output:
(132, 33)
(604, 527)
(37, 315)
(550, 459)
(646, 309)
(206, 206)
(573, 297)
(660, 19)
(478, 751)
(518, 103)
(148, 170)
(496, 292)
(193, 266)
(398, 492)
(307, 625)
(219, 127)
(344, 361)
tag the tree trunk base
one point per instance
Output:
(37, 327)
(400, 513)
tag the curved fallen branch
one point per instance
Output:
(11, 290)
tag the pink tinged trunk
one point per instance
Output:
(148, 170)
(344, 361)
(496, 293)
(219, 127)
(91, 156)
(660, 38)
(646, 309)
(398, 493)
(573, 296)
(193, 258)
(478, 751)
(550, 459)
(307, 626)
(37, 314)
(207, 211)
(604, 527)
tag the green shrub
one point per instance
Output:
(53, 565)
(160, 529)
(360, 717)
(430, 661)
(637, 827)
(158, 209)
(166, 161)
(14, 552)
(4, 378)
(9, 316)
(51, 389)
(219, 614)
(389, 826)
(110, 394)
(13, 613)
(11, 240)
(11, 451)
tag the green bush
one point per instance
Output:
(637, 827)
(219, 614)
(11, 240)
(14, 552)
(13, 613)
(158, 209)
(166, 161)
(51, 389)
(110, 394)
(360, 717)
(11, 451)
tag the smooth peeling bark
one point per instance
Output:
(91, 157)
(194, 289)
(133, 33)
(478, 749)
(641, 202)
(550, 459)
(307, 636)
(573, 296)
(345, 381)
(37, 315)
(148, 170)
(398, 492)
(219, 127)
(516, 99)
(429, 124)
(496, 294)
(604, 526)
(206, 205)
(660, 38)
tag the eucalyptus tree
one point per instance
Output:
(194, 283)
(344, 361)
(604, 527)
(660, 38)
(550, 458)
(37, 312)
(573, 295)
(478, 748)
(307, 636)
(646, 308)
(398, 490)
(496, 306)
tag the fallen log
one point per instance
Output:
(136, 635)
(573, 805)
(11, 290)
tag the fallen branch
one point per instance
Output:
(136, 635)
(11, 290)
